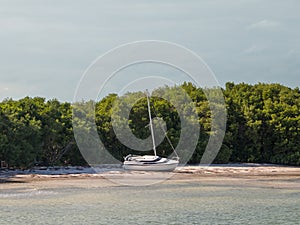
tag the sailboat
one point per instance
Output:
(150, 162)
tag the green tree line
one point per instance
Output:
(263, 126)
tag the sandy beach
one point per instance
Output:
(248, 175)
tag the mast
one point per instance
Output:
(151, 125)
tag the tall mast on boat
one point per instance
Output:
(151, 125)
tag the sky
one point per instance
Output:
(46, 46)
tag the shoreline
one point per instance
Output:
(214, 169)
(243, 175)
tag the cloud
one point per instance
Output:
(253, 49)
(16, 24)
(46, 46)
(264, 24)
(293, 52)
(9, 89)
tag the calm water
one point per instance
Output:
(165, 203)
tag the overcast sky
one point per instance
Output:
(47, 45)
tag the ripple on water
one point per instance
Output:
(26, 193)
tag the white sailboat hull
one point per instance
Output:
(149, 163)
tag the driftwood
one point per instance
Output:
(64, 151)
(3, 165)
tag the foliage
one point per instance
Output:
(35, 132)
(263, 125)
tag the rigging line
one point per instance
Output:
(165, 132)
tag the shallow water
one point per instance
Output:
(164, 203)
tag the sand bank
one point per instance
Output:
(239, 175)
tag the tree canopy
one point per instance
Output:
(263, 126)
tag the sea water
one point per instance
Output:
(164, 203)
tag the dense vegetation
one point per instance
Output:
(263, 126)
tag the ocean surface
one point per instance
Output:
(163, 203)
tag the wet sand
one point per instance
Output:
(250, 175)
